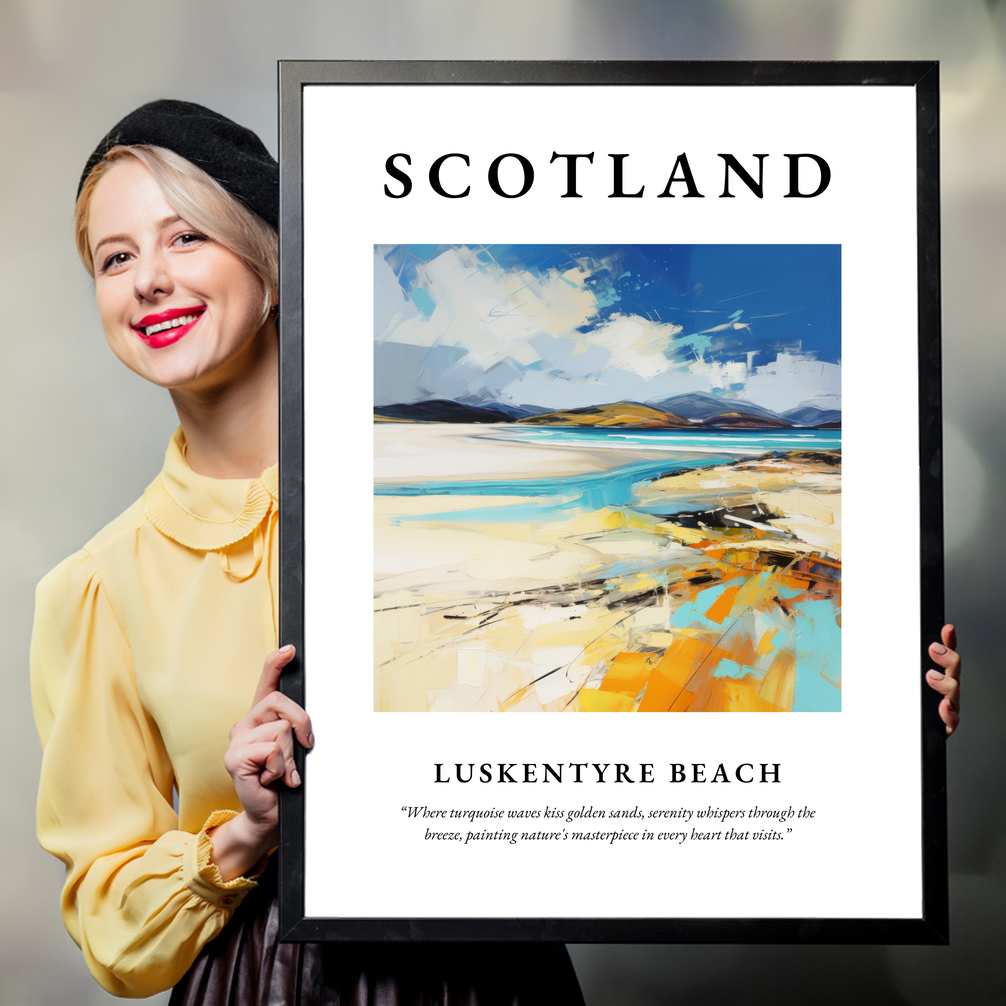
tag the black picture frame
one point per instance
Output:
(931, 927)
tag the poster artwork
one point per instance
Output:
(607, 478)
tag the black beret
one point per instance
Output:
(230, 154)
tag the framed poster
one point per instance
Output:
(612, 389)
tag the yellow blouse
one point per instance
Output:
(147, 647)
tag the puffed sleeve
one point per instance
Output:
(141, 898)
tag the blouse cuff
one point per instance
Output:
(202, 876)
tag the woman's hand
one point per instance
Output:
(948, 681)
(260, 753)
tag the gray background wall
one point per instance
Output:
(82, 436)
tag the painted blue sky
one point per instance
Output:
(565, 326)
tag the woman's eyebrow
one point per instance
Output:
(109, 240)
(160, 225)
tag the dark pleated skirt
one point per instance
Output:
(246, 965)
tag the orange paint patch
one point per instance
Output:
(628, 673)
(659, 695)
(687, 658)
(683, 702)
(682, 657)
(723, 605)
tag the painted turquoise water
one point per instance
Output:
(754, 441)
(561, 495)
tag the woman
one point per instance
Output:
(148, 643)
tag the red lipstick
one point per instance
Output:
(166, 327)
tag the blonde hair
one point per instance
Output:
(199, 200)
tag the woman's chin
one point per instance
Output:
(173, 374)
(197, 365)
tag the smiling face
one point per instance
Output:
(177, 307)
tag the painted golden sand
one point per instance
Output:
(577, 614)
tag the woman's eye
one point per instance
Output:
(114, 261)
(190, 238)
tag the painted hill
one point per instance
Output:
(617, 414)
(701, 406)
(747, 420)
(811, 415)
(439, 410)
(515, 412)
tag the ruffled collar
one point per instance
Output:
(203, 513)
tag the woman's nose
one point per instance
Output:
(152, 277)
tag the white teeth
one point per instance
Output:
(174, 323)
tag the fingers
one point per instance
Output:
(944, 655)
(271, 671)
(945, 685)
(270, 703)
(265, 751)
(277, 706)
(280, 763)
(947, 681)
(951, 718)
(262, 760)
(272, 761)
(261, 749)
(949, 636)
(949, 688)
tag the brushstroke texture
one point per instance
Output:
(607, 479)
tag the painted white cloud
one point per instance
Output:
(792, 380)
(636, 344)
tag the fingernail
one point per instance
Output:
(310, 740)
(951, 706)
(295, 777)
(936, 675)
(938, 648)
(287, 649)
